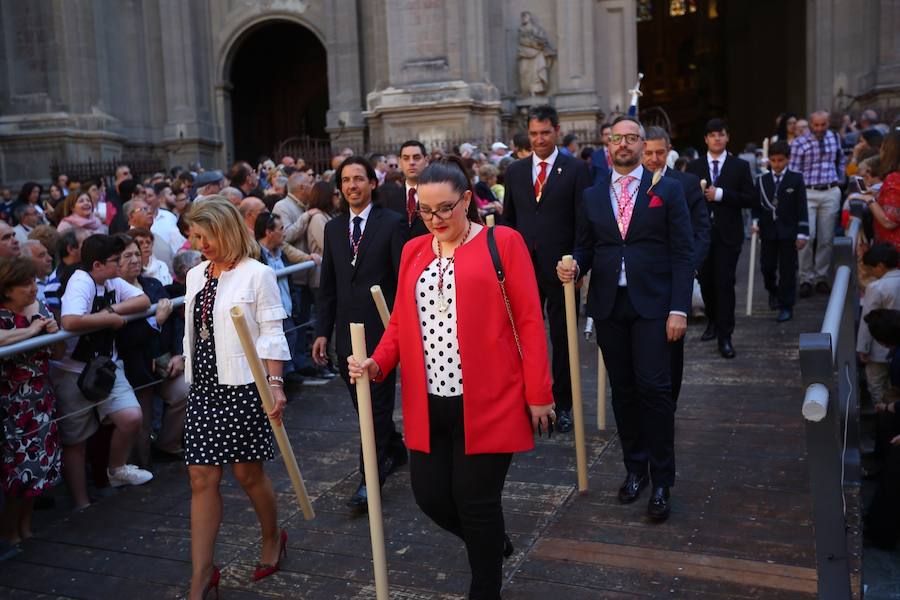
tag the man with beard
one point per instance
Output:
(413, 161)
(635, 234)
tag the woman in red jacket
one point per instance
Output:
(476, 382)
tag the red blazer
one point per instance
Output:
(496, 383)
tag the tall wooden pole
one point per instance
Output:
(575, 376)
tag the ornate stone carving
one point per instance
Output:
(535, 55)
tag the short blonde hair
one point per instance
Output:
(487, 170)
(223, 222)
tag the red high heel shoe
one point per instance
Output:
(213, 584)
(264, 570)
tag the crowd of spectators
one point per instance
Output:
(84, 254)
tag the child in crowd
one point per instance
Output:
(880, 262)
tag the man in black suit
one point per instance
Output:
(541, 199)
(656, 149)
(780, 216)
(730, 189)
(635, 236)
(600, 159)
(362, 249)
(413, 161)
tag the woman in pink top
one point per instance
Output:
(78, 212)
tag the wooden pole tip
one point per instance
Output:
(567, 260)
(237, 312)
(375, 288)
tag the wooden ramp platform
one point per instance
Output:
(740, 525)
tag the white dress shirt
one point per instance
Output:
(364, 215)
(536, 164)
(721, 158)
(615, 191)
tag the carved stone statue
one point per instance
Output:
(535, 57)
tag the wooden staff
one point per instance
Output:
(370, 462)
(752, 272)
(601, 390)
(265, 393)
(703, 185)
(489, 220)
(381, 305)
(575, 376)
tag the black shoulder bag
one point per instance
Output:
(501, 279)
(95, 350)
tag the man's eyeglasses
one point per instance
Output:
(443, 212)
(631, 138)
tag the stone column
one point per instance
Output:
(615, 46)
(576, 98)
(345, 121)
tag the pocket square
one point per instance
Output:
(655, 202)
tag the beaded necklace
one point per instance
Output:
(443, 305)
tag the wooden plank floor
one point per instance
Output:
(740, 526)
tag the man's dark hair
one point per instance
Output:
(416, 143)
(99, 248)
(568, 139)
(521, 141)
(240, 174)
(658, 133)
(186, 176)
(586, 152)
(543, 112)
(67, 240)
(873, 137)
(884, 253)
(605, 125)
(716, 125)
(356, 160)
(375, 157)
(127, 189)
(159, 187)
(265, 221)
(780, 148)
(884, 325)
(622, 118)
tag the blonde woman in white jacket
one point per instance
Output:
(225, 421)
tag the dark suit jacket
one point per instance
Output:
(699, 212)
(599, 166)
(548, 226)
(658, 250)
(393, 196)
(345, 295)
(782, 215)
(737, 193)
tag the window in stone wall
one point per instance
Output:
(644, 10)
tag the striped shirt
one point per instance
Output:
(820, 161)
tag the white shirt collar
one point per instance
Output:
(637, 173)
(408, 187)
(720, 158)
(364, 214)
(536, 162)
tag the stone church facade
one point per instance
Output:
(100, 79)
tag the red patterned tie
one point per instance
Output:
(539, 182)
(411, 205)
(625, 204)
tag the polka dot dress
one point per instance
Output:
(224, 423)
(439, 331)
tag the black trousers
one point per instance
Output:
(717, 279)
(778, 259)
(462, 493)
(388, 441)
(676, 350)
(553, 298)
(638, 361)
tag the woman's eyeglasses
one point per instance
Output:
(443, 212)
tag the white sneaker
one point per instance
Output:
(128, 475)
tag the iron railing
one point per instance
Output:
(831, 414)
(62, 335)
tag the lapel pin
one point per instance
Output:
(559, 170)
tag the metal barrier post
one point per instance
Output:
(823, 454)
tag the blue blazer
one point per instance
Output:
(696, 202)
(658, 250)
(599, 166)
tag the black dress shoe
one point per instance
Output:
(710, 333)
(564, 421)
(823, 288)
(773, 301)
(725, 348)
(359, 501)
(786, 314)
(659, 506)
(507, 546)
(805, 290)
(632, 487)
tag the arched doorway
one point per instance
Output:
(279, 88)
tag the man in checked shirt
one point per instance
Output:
(818, 156)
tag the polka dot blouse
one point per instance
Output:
(439, 330)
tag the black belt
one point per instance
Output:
(822, 186)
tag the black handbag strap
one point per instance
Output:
(501, 279)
